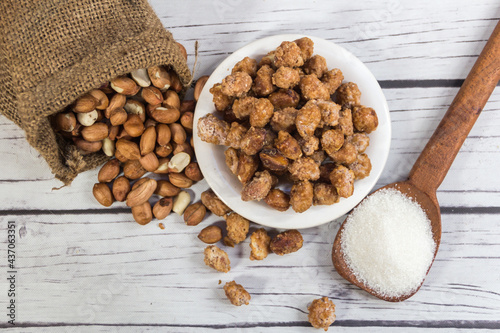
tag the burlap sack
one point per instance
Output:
(53, 51)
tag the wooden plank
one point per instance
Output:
(26, 180)
(396, 39)
(300, 327)
(110, 270)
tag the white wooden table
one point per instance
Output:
(82, 268)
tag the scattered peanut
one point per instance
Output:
(194, 214)
(181, 201)
(217, 259)
(236, 294)
(210, 235)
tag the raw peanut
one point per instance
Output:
(140, 76)
(150, 108)
(85, 103)
(194, 214)
(178, 133)
(99, 115)
(180, 180)
(123, 134)
(124, 85)
(118, 117)
(121, 188)
(181, 201)
(165, 189)
(183, 50)
(116, 102)
(150, 122)
(152, 95)
(175, 82)
(87, 118)
(113, 132)
(183, 147)
(178, 162)
(134, 125)
(193, 172)
(105, 88)
(77, 130)
(65, 121)
(188, 106)
(210, 235)
(109, 171)
(103, 194)
(163, 165)
(162, 208)
(141, 193)
(139, 182)
(148, 140)
(119, 156)
(89, 147)
(159, 76)
(108, 147)
(187, 120)
(163, 134)
(135, 107)
(128, 149)
(96, 132)
(142, 213)
(165, 115)
(200, 83)
(191, 142)
(149, 162)
(164, 151)
(103, 100)
(171, 99)
(133, 169)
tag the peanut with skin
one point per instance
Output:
(180, 180)
(142, 213)
(171, 99)
(148, 140)
(109, 171)
(162, 208)
(121, 187)
(193, 172)
(200, 83)
(165, 189)
(65, 121)
(210, 235)
(194, 214)
(103, 194)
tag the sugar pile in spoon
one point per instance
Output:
(387, 243)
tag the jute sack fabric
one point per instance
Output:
(53, 51)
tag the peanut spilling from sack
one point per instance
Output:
(139, 120)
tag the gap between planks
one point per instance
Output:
(458, 324)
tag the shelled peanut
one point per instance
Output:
(140, 121)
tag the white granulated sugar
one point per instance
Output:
(387, 243)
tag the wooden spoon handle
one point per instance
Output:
(435, 160)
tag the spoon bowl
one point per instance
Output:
(435, 160)
(430, 207)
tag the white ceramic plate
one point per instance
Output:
(226, 185)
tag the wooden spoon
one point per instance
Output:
(435, 160)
